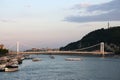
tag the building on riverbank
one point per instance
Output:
(41, 49)
(2, 46)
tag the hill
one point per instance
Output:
(111, 37)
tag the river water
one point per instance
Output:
(89, 68)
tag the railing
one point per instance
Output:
(63, 52)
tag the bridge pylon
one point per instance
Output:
(102, 50)
(17, 49)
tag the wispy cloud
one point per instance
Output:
(28, 6)
(81, 5)
(5, 20)
(101, 12)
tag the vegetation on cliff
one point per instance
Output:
(110, 36)
(3, 52)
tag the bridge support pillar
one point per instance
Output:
(17, 47)
(102, 48)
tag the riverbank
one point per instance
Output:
(9, 63)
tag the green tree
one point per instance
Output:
(3, 51)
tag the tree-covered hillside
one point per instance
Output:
(110, 36)
(3, 52)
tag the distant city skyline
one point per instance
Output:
(53, 23)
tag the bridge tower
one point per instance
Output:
(102, 48)
(17, 47)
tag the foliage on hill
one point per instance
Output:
(3, 52)
(111, 37)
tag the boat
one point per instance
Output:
(73, 59)
(52, 57)
(11, 68)
(2, 67)
(36, 59)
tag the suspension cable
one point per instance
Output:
(88, 47)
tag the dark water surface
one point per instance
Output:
(89, 68)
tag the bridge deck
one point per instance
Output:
(63, 52)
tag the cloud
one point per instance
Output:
(102, 12)
(81, 5)
(6, 20)
(28, 6)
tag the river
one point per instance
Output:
(89, 68)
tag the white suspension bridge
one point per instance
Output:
(101, 50)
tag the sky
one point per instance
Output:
(53, 23)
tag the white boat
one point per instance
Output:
(2, 67)
(36, 59)
(11, 69)
(73, 59)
